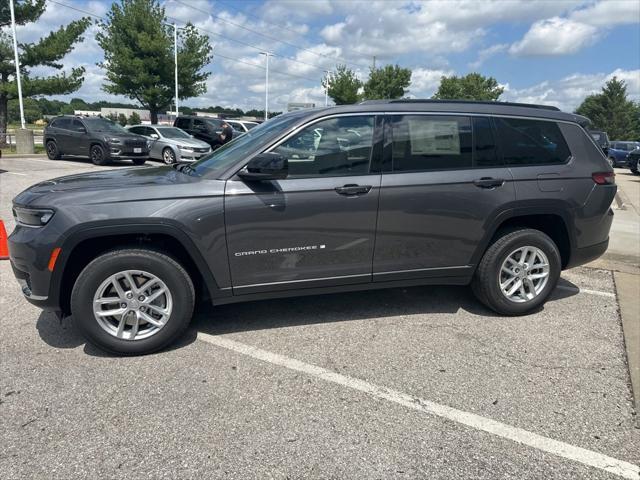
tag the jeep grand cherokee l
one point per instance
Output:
(382, 194)
(98, 138)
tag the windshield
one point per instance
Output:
(172, 132)
(243, 145)
(250, 125)
(103, 125)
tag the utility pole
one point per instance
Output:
(326, 88)
(266, 86)
(17, 61)
(175, 60)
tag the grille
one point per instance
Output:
(136, 143)
(200, 150)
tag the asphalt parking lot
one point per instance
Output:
(405, 383)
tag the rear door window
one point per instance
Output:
(182, 123)
(425, 142)
(531, 142)
(484, 144)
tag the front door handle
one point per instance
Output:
(353, 189)
(488, 182)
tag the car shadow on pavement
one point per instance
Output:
(300, 311)
(345, 307)
(112, 163)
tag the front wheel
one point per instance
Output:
(97, 155)
(518, 272)
(52, 150)
(634, 165)
(168, 156)
(132, 302)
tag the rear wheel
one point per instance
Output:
(132, 302)
(518, 272)
(168, 156)
(97, 155)
(52, 150)
(634, 165)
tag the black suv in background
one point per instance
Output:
(97, 138)
(382, 194)
(602, 139)
(206, 129)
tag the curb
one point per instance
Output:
(7, 156)
(628, 290)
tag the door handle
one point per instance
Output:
(352, 189)
(488, 182)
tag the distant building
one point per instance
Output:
(87, 113)
(292, 107)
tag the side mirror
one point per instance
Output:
(154, 136)
(266, 166)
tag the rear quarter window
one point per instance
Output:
(531, 142)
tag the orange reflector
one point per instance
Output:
(54, 256)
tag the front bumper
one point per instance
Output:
(189, 156)
(123, 152)
(29, 256)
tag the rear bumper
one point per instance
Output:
(581, 256)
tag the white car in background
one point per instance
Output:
(171, 144)
(242, 125)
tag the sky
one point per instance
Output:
(552, 52)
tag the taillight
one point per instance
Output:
(604, 178)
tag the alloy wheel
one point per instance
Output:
(132, 305)
(524, 274)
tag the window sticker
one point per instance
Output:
(434, 137)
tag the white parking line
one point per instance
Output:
(519, 435)
(586, 290)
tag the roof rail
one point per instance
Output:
(472, 102)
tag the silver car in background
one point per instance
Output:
(171, 144)
(241, 125)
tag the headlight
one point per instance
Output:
(32, 217)
(184, 147)
(148, 144)
(113, 140)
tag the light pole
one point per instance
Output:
(266, 86)
(175, 59)
(15, 52)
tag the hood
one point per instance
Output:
(190, 142)
(117, 185)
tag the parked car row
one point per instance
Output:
(618, 154)
(103, 140)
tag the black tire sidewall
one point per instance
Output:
(56, 153)
(494, 296)
(165, 268)
(102, 160)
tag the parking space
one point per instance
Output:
(420, 382)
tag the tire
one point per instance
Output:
(52, 150)
(168, 156)
(90, 284)
(634, 165)
(138, 161)
(97, 155)
(486, 281)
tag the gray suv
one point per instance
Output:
(382, 194)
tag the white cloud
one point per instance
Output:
(568, 92)
(424, 82)
(609, 13)
(555, 36)
(486, 53)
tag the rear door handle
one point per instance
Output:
(352, 189)
(488, 182)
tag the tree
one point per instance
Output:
(470, 87)
(32, 110)
(46, 52)
(122, 119)
(343, 86)
(134, 119)
(390, 81)
(138, 56)
(612, 111)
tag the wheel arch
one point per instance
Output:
(83, 245)
(553, 219)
